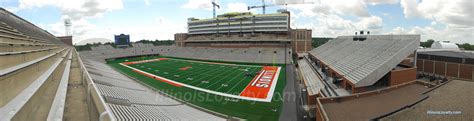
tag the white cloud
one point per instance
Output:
(147, 2)
(160, 28)
(455, 35)
(78, 11)
(12, 9)
(454, 17)
(237, 7)
(409, 8)
(356, 8)
(370, 23)
(453, 12)
(75, 9)
(376, 2)
(198, 4)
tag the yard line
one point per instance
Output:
(213, 76)
(231, 74)
(201, 72)
(174, 70)
(238, 84)
(226, 82)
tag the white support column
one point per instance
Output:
(445, 69)
(416, 58)
(459, 68)
(423, 66)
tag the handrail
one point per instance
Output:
(321, 110)
(84, 69)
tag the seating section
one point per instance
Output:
(33, 63)
(364, 62)
(314, 83)
(251, 54)
(129, 100)
(16, 28)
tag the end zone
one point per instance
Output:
(263, 85)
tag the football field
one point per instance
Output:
(246, 90)
(248, 82)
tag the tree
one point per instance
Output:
(427, 44)
(466, 46)
(319, 41)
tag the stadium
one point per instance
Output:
(235, 66)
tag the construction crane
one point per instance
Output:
(214, 4)
(263, 6)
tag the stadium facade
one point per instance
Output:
(246, 30)
(442, 64)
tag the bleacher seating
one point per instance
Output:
(364, 62)
(129, 100)
(251, 54)
(33, 65)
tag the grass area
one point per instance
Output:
(226, 78)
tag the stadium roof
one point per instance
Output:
(364, 62)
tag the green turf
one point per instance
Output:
(229, 79)
(217, 76)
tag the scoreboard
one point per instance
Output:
(122, 40)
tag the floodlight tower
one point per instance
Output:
(214, 4)
(67, 25)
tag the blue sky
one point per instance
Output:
(160, 19)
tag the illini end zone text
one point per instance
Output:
(263, 85)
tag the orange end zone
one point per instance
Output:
(157, 78)
(260, 85)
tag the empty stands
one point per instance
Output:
(33, 70)
(365, 62)
(251, 54)
(129, 100)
